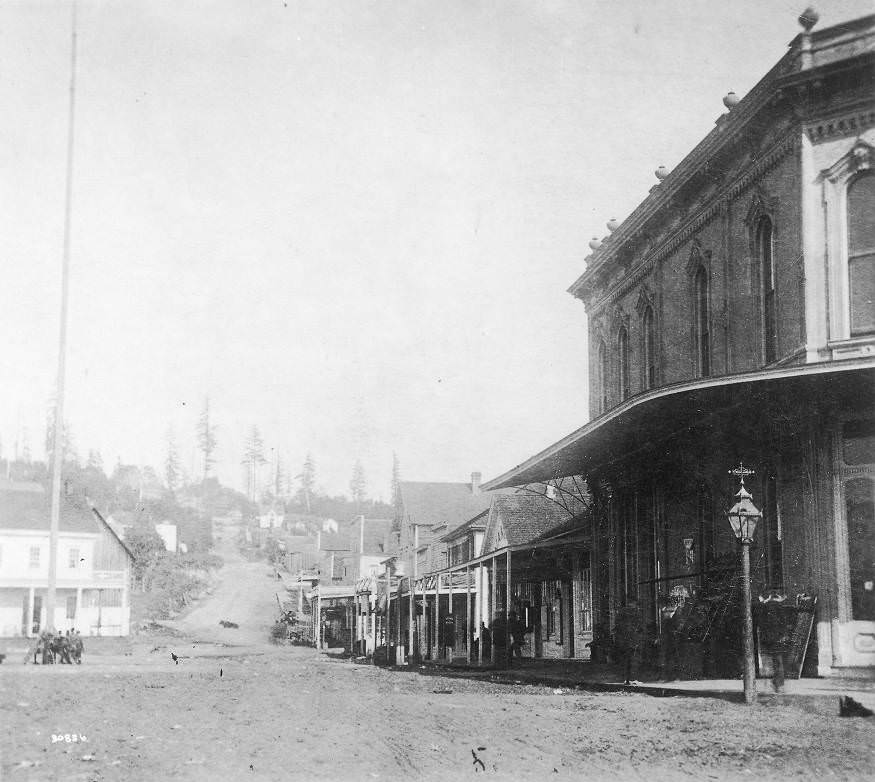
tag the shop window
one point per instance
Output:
(623, 362)
(702, 322)
(861, 254)
(765, 245)
(858, 442)
(649, 324)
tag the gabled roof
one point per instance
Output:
(441, 503)
(334, 541)
(30, 508)
(478, 523)
(376, 536)
(516, 519)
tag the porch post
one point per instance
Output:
(492, 591)
(480, 614)
(78, 607)
(507, 609)
(450, 613)
(411, 592)
(437, 615)
(468, 634)
(28, 627)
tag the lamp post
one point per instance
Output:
(743, 516)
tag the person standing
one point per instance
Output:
(627, 637)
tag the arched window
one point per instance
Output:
(703, 321)
(602, 377)
(647, 322)
(767, 281)
(861, 253)
(623, 362)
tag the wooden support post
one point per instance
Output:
(411, 622)
(468, 634)
(450, 615)
(480, 591)
(507, 610)
(492, 591)
(437, 616)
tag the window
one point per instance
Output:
(861, 254)
(649, 348)
(858, 454)
(602, 377)
(702, 322)
(623, 359)
(73, 558)
(71, 607)
(767, 283)
(34, 556)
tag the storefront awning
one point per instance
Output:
(657, 415)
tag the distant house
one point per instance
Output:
(93, 573)
(167, 532)
(271, 517)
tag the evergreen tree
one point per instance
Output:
(206, 437)
(253, 458)
(396, 479)
(308, 480)
(172, 471)
(357, 485)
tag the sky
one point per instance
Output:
(350, 223)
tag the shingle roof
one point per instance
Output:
(524, 517)
(477, 523)
(376, 536)
(442, 503)
(334, 541)
(27, 508)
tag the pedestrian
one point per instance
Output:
(773, 630)
(517, 631)
(627, 637)
(77, 647)
(668, 646)
(500, 638)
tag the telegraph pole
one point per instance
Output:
(58, 439)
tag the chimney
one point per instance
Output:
(475, 482)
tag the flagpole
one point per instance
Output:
(58, 438)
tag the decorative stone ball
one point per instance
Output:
(661, 173)
(613, 224)
(595, 243)
(808, 18)
(730, 100)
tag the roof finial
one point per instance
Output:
(808, 18)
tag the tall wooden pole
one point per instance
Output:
(750, 684)
(58, 439)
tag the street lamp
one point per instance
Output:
(743, 516)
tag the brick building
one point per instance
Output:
(731, 319)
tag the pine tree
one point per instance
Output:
(206, 437)
(171, 462)
(357, 485)
(253, 458)
(396, 479)
(308, 480)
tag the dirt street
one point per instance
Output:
(257, 712)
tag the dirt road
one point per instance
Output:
(244, 593)
(233, 707)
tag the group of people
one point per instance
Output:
(59, 648)
(508, 635)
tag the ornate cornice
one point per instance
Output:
(849, 124)
(715, 208)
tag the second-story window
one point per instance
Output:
(34, 556)
(861, 253)
(702, 323)
(73, 558)
(767, 278)
(623, 362)
(602, 377)
(649, 325)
